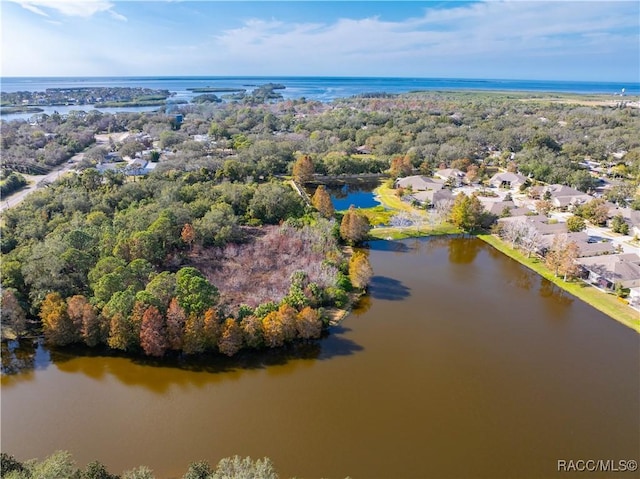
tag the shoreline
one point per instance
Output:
(607, 304)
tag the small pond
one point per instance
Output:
(357, 193)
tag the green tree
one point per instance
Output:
(619, 225)
(194, 293)
(467, 212)
(274, 202)
(575, 224)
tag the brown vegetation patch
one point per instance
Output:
(259, 270)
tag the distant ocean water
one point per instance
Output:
(316, 88)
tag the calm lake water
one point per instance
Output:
(461, 363)
(357, 193)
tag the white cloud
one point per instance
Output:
(71, 8)
(496, 31)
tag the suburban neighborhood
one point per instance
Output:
(533, 217)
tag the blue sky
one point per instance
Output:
(552, 40)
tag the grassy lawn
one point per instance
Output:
(387, 196)
(390, 232)
(607, 303)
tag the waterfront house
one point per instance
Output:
(605, 271)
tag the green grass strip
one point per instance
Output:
(609, 304)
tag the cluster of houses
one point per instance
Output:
(603, 262)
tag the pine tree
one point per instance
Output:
(321, 201)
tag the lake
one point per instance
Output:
(460, 363)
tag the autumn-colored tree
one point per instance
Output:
(231, 339)
(360, 271)
(85, 320)
(212, 328)
(596, 211)
(560, 258)
(153, 337)
(75, 309)
(188, 234)
(544, 207)
(308, 323)
(303, 169)
(252, 331)
(354, 228)
(321, 201)
(124, 333)
(14, 319)
(59, 329)
(273, 330)
(288, 317)
(194, 339)
(176, 319)
(400, 166)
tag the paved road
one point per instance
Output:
(39, 182)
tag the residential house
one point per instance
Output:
(499, 208)
(419, 183)
(586, 247)
(564, 197)
(507, 180)
(431, 197)
(605, 271)
(453, 175)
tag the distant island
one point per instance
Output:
(99, 97)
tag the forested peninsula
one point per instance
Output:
(192, 237)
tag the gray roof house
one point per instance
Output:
(583, 242)
(507, 180)
(432, 197)
(605, 271)
(450, 174)
(563, 196)
(419, 183)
